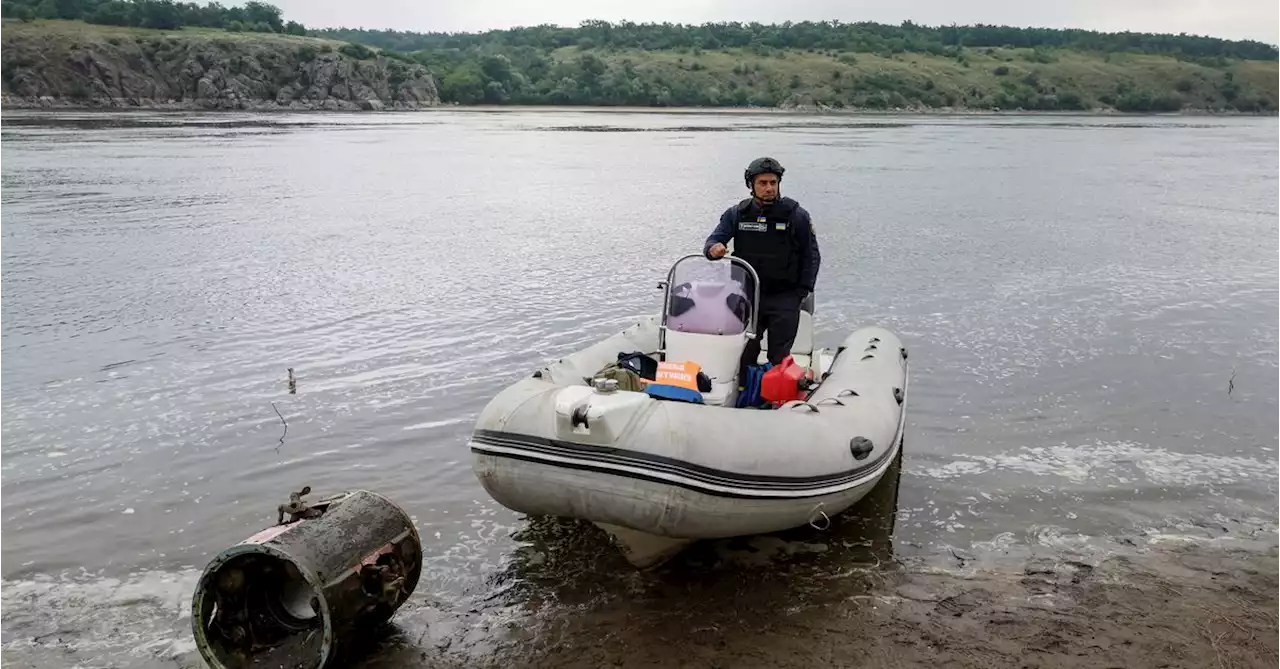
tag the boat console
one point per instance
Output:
(708, 316)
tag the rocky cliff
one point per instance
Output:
(68, 64)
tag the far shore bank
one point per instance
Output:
(268, 106)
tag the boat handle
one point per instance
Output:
(819, 513)
(843, 393)
(805, 404)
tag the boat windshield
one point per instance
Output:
(709, 297)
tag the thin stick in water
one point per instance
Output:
(282, 420)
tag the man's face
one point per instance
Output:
(766, 187)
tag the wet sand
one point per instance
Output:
(1185, 607)
(843, 598)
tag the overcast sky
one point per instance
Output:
(1232, 19)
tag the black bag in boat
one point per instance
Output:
(639, 363)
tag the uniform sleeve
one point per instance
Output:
(722, 234)
(810, 256)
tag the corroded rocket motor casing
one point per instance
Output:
(301, 594)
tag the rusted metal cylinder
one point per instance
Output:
(303, 593)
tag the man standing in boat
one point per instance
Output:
(774, 235)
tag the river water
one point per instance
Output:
(1090, 304)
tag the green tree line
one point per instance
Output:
(1020, 80)
(861, 37)
(832, 64)
(159, 14)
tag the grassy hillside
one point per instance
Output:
(858, 37)
(986, 78)
(55, 63)
(833, 64)
(1004, 78)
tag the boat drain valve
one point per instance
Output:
(305, 592)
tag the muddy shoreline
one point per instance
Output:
(52, 104)
(852, 595)
(1187, 607)
(858, 595)
(566, 600)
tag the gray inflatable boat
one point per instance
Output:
(659, 474)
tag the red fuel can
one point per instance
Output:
(783, 383)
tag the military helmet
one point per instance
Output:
(760, 166)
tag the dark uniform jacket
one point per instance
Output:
(777, 240)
